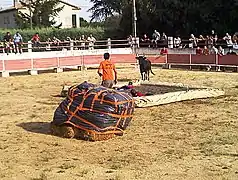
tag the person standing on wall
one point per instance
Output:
(107, 71)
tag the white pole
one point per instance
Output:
(135, 18)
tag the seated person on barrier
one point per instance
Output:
(17, 39)
(164, 51)
(55, 43)
(221, 51)
(199, 51)
(7, 42)
(206, 51)
(36, 40)
(231, 52)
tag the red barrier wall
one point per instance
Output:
(203, 59)
(115, 58)
(123, 58)
(1, 65)
(45, 63)
(17, 64)
(70, 61)
(228, 60)
(157, 59)
(178, 58)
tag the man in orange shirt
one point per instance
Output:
(107, 71)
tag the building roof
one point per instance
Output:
(70, 4)
(20, 6)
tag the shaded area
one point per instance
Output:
(160, 89)
(36, 127)
(124, 80)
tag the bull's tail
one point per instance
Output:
(152, 72)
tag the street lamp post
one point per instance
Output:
(134, 19)
(135, 40)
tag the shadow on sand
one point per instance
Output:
(36, 127)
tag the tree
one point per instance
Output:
(106, 8)
(170, 16)
(43, 13)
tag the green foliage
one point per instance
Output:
(105, 8)
(171, 16)
(84, 23)
(61, 34)
(43, 13)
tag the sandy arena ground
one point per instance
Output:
(189, 140)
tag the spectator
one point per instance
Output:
(164, 39)
(206, 51)
(91, 41)
(82, 42)
(17, 39)
(221, 51)
(48, 43)
(155, 38)
(235, 39)
(228, 40)
(67, 43)
(214, 50)
(36, 40)
(230, 52)
(209, 42)
(163, 51)
(193, 41)
(130, 40)
(145, 39)
(201, 41)
(177, 42)
(214, 37)
(199, 51)
(55, 42)
(7, 42)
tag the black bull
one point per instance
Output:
(145, 67)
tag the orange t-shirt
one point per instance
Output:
(107, 69)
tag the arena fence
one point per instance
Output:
(72, 54)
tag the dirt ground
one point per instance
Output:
(186, 140)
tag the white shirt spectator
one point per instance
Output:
(193, 41)
(91, 41)
(228, 40)
(156, 35)
(221, 51)
(17, 38)
(215, 50)
(177, 42)
(163, 37)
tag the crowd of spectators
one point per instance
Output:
(14, 44)
(204, 45)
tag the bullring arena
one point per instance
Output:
(195, 139)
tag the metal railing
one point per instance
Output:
(68, 45)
